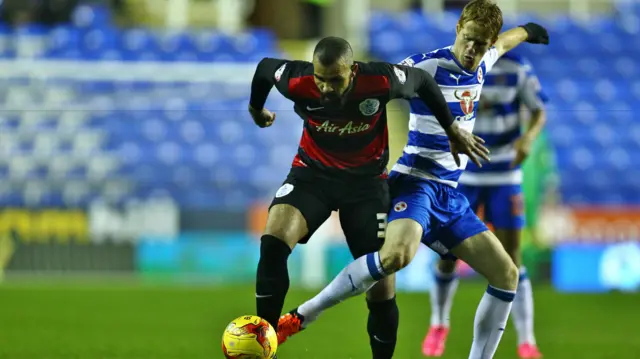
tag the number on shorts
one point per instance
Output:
(517, 205)
(382, 224)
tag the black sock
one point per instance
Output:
(272, 279)
(382, 326)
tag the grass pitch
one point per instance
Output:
(132, 321)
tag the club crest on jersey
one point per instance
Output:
(467, 99)
(369, 106)
(402, 77)
(279, 72)
(284, 190)
(480, 74)
(400, 207)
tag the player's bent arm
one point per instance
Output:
(263, 81)
(537, 122)
(509, 39)
(531, 32)
(534, 99)
(420, 82)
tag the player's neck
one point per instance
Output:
(457, 56)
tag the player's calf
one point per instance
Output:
(383, 320)
(522, 310)
(285, 227)
(484, 253)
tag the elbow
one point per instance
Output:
(539, 116)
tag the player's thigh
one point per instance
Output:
(486, 255)
(296, 211)
(364, 221)
(505, 208)
(409, 219)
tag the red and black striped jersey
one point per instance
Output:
(354, 139)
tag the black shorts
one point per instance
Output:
(362, 205)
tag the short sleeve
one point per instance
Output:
(530, 89)
(490, 58)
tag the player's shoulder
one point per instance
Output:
(424, 58)
(383, 70)
(291, 68)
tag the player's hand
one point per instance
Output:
(536, 34)
(263, 118)
(523, 148)
(466, 143)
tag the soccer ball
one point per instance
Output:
(249, 337)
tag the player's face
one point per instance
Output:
(333, 81)
(472, 43)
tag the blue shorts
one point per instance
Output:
(442, 211)
(503, 205)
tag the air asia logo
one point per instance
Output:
(349, 128)
(467, 103)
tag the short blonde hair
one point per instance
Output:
(483, 12)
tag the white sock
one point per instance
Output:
(490, 322)
(357, 278)
(522, 311)
(442, 297)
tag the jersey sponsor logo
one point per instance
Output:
(480, 75)
(400, 207)
(402, 77)
(349, 128)
(467, 99)
(369, 106)
(279, 72)
(284, 190)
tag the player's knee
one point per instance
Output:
(286, 223)
(507, 278)
(446, 266)
(510, 239)
(401, 244)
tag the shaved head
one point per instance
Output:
(333, 69)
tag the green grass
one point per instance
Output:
(116, 321)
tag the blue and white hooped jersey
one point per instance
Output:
(511, 84)
(427, 154)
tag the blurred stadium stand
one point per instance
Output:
(76, 125)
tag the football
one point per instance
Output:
(249, 337)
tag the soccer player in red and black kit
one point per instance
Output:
(340, 166)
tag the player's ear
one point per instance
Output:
(354, 69)
(458, 28)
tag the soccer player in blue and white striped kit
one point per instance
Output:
(497, 186)
(426, 206)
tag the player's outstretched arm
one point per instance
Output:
(531, 33)
(263, 80)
